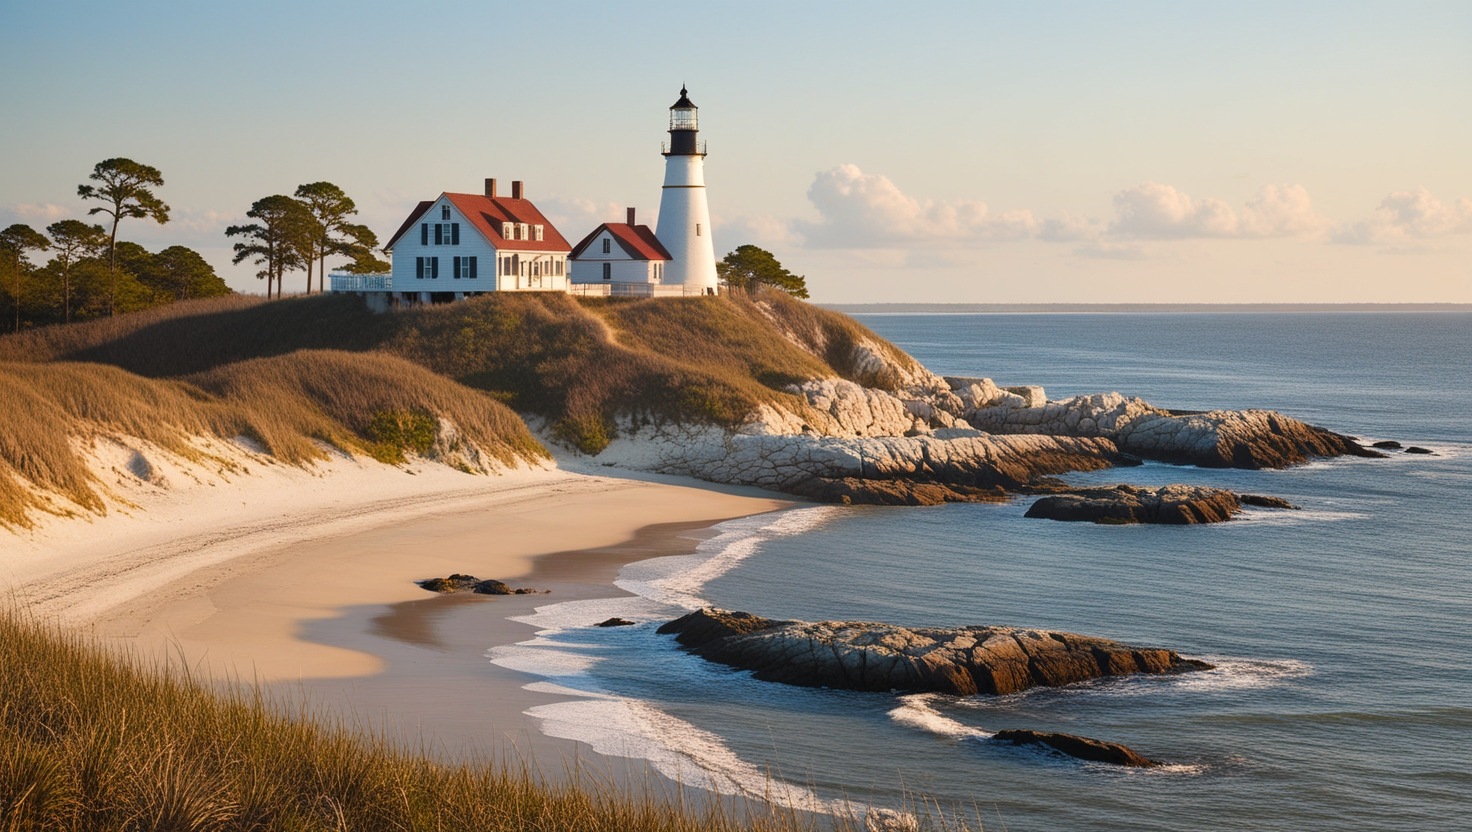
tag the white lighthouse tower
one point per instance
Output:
(684, 216)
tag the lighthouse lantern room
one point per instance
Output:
(684, 215)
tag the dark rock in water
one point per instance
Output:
(893, 492)
(857, 655)
(454, 583)
(1080, 747)
(1128, 504)
(1387, 445)
(470, 583)
(615, 622)
(1264, 501)
(1415, 449)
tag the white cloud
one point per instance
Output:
(1154, 211)
(762, 230)
(1281, 211)
(861, 210)
(42, 214)
(1409, 217)
(1070, 228)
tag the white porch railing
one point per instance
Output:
(344, 282)
(631, 290)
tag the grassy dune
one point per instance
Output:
(293, 373)
(94, 741)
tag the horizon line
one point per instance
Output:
(1121, 308)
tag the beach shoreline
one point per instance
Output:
(320, 606)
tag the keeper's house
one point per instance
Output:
(620, 258)
(461, 245)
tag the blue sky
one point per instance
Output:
(941, 152)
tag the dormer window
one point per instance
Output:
(539, 233)
(506, 232)
(607, 245)
(523, 231)
(444, 212)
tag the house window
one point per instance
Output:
(464, 268)
(607, 271)
(697, 229)
(607, 245)
(539, 233)
(506, 232)
(523, 231)
(444, 212)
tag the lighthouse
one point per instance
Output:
(684, 216)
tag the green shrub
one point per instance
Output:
(395, 431)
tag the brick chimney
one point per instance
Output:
(516, 189)
(631, 216)
(491, 188)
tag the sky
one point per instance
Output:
(890, 152)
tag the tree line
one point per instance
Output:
(91, 274)
(299, 232)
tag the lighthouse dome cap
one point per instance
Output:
(684, 103)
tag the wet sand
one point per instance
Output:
(339, 620)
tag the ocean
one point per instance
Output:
(1342, 697)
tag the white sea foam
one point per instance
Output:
(1232, 673)
(628, 727)
(917, 711)
(1279, 517)
(677, 580)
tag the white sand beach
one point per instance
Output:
(303, 578)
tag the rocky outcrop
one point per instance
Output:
(1081, 747)
(881, 657)
(615, 622)
(1218, 439)
(469, 583)
(1166, 505)
(792, 463)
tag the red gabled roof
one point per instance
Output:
(486, 215)
(636, 240)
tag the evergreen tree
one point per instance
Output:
(749, 266)
(330, 208)
(276, 240)
(188, 275)
(15, 241)
(125, 190)
(74, 242)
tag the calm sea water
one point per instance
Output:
(1343, 697)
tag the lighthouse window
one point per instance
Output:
(697, 229)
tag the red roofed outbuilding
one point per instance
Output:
(619, 254)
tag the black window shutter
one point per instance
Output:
(472, 268)
(455, 234)
(434, 263)
(419, 268)
(457, 268)
(424, 234)
(439, 234)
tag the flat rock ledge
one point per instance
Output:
(470, 583)
(857, 655)
(1081, 747)
(1178, 505)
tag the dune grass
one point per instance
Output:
(98, 741)
(298, 372)
(289, 404)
